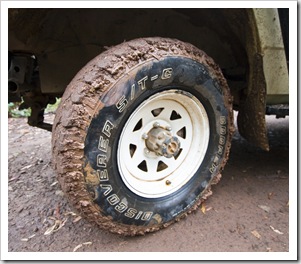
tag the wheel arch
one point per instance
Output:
(64, 40)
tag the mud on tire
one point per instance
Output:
(141, 133)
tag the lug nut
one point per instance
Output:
(156, 124)
(144, 136)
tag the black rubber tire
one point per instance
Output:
(94, 110)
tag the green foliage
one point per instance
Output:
(13, 109)
(51, 108)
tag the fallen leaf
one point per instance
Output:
(256, 234)
(82, 244)
(27, 239)
(276, 231)
(265, 208)
(27, 167)
(31, 236)
(70, 213)
(77, 247)
(77, 219)
(14, 178)
(54, 183)
(270, 195)
(58, 224)
(203, 208)
(208, 209)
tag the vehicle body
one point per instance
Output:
(250, 47)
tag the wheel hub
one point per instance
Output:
(161, 141)
(157, 143)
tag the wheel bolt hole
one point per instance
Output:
(168, 182)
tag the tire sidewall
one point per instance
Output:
(101, 144)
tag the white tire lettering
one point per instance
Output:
(108, 126)
(146, 216)
(133, 91)
(101, 161)
(166, 74)
(107, 187)
(138, 215)
(223, 130)
(121, 104)
(103, 144)
(142, 83)
(103, 175)
(121, 207)
(113, 199)
(131, 212)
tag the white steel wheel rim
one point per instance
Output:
(148, 174)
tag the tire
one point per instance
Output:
(142, 132)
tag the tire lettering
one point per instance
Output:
(121, 207)
(103, 175)
(220, 150)
(113, 199)
(213, 168)
(108, 126)
(101, 161)
(220, 146)
(223, 130)
(166, 74)
(123, 101)
(146, 216)
(107, 187)
(142, 83)
(121, 104)
(222, 140)
(222, 120)
(133, 91)
(138, 215)
(155, 77)
(130, 213)
(103, 144)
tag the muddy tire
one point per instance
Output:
(141, 133)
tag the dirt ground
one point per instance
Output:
(248, 211)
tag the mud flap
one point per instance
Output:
(251, 117)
